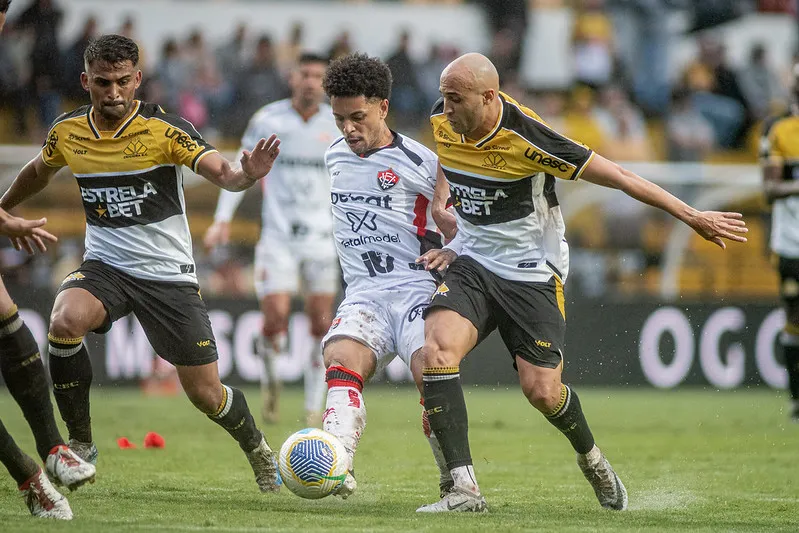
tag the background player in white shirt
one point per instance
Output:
(296, 234)
(382, 187)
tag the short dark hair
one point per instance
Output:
(4, 5)
(113, 49)
(358, 75)
(310, 57)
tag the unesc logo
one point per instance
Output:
(135, 149)
(387, 179)
(494, 161)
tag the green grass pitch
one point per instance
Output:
(692, 460)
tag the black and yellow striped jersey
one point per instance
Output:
(780, 146)
(131, 183)
(503, 189)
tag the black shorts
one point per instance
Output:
(529, 316)
(172, 315)
(789, 287)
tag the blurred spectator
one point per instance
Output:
(73, 64)
(259, 84)
(406, 96)
(580, 119)
(714, 90)
(341, 46)
(760, 84)
(551, 106)
(231, 55)
(689, 134)
(288, 52)
(14, 76)
(623, 127)
(172, 73)
(438, 57)
(128, 29)
(507, 20)
(641, 38)
(44, 18)
(593, 44)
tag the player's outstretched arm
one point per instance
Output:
(774, 187)
(714, 226)
(253, 166)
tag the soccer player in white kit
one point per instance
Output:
(382, 191)
(296, 234)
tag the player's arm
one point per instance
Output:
(774, 187)
(252, 166)
(444, 218)
(25, 234)
(715, 226)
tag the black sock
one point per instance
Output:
(568, 417)
(446, 411)
(792, 366)
(71, 372)
(235, 417)
(26, 379)
(19, 464)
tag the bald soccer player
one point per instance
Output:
(501, 161)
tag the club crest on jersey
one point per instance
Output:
(335, 323)
(75, 276)
(387, 179)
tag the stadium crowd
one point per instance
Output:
(623, 101)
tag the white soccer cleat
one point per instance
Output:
(264, 465)
(607, 486)
(43, 500)
(85, 450)
(66, 468)
(347, 487)
(457, 500)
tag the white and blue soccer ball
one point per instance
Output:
(313, 463)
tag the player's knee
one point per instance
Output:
(207, 398)
(436, 353)
(543, 395)
(64, 324)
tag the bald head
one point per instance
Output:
(470, 87)
(472, 71)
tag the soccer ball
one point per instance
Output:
(313, 463)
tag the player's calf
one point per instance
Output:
(71, 372)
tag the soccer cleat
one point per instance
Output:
(66, 468)
(347, 487)
(457, 500)
(43, 500)
(264, 465)
(607, 486)
(85, 450)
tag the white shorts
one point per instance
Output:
(280, 263)
(388, 321)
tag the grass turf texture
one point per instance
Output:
(692, 460)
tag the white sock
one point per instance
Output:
(464, 478)
(314, 380)
(345, 416)
(444, 475)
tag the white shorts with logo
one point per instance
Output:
(280, 264)
(388, 321)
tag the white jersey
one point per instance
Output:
(382, 212)
(296, 202)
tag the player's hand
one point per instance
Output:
(446, 222)
(257, 163)
(437, 259)
(217, 234)
(26, 234)
(715, 226)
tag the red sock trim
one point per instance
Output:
(338, 376)
(56, 447)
